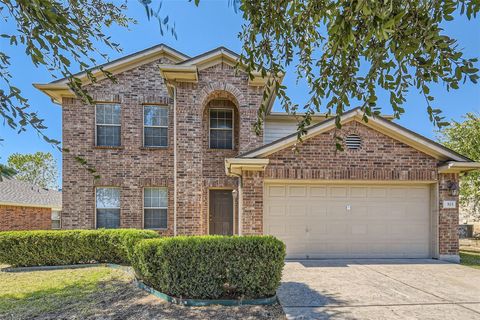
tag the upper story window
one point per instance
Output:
(155, 126)
(108, 125)
(108, 207)
(221, 128)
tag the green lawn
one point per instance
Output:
(471, 259)
(30, 294)
(101, 293)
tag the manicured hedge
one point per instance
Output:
(211, 267)
(43, 248)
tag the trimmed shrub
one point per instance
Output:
(44, 248)
(211, 267)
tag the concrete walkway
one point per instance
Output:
(379, 289)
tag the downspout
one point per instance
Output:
(174, 160)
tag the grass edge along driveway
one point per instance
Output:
(470, 259)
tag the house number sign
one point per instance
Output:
(449, 204)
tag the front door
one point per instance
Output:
(221, 212)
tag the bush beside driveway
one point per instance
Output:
(209, 267)
(101, 293)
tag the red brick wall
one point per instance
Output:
(129, 167)
(252, 194)
(448, 218)
(379, 158)
(24, 218)
(200, 168)
(132, 167)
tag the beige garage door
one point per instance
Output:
(349, 221)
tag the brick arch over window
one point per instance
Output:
(222, 102)
(221, 90)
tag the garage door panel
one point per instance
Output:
(276, 191)
(316, 212)
(338, 192)
(377, 192)
(276, 210)
(297, 210)
(358, 192)
(297, 191)
(318, 192)
(349, 221)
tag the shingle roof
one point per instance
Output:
(18, 192)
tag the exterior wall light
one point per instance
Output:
(453, 188)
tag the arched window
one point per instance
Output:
(221, 117)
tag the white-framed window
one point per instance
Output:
(155, 207)
(221, 128)
(108, 207)
(108, 125)
(56, 219)
(155, 126)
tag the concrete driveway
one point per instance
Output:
(379, 289)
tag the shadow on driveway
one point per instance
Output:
(298, 295)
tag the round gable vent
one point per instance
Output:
(353, 142)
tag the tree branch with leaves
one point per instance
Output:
(348, 51)
(464, 137)
(60, 36)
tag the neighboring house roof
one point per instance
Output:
(453, 161)
(19, 193)
(59, 88)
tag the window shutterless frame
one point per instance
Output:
(56, 219)
(119, 208)
(143, 207)
(107, 124)
(232, 129)
(152, 126)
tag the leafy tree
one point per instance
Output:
(349, 50)
(39, 168)
(6, 172)
(346, 50)
(60, 36)
(464, 137)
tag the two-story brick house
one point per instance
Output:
(173, 143)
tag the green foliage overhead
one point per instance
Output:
(211, 267)
(350, 50)
(60, 36)
(464, 137)
(39, 168)
(46, 248)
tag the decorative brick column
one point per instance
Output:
(252, 197)
(447, 220)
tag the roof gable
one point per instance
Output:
(384, 126)
(212, 57)
(59, 88)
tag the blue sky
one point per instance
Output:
(202, 28)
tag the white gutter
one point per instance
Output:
(457, 167)
(174, 161)
(240, 205)
(240, 201)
